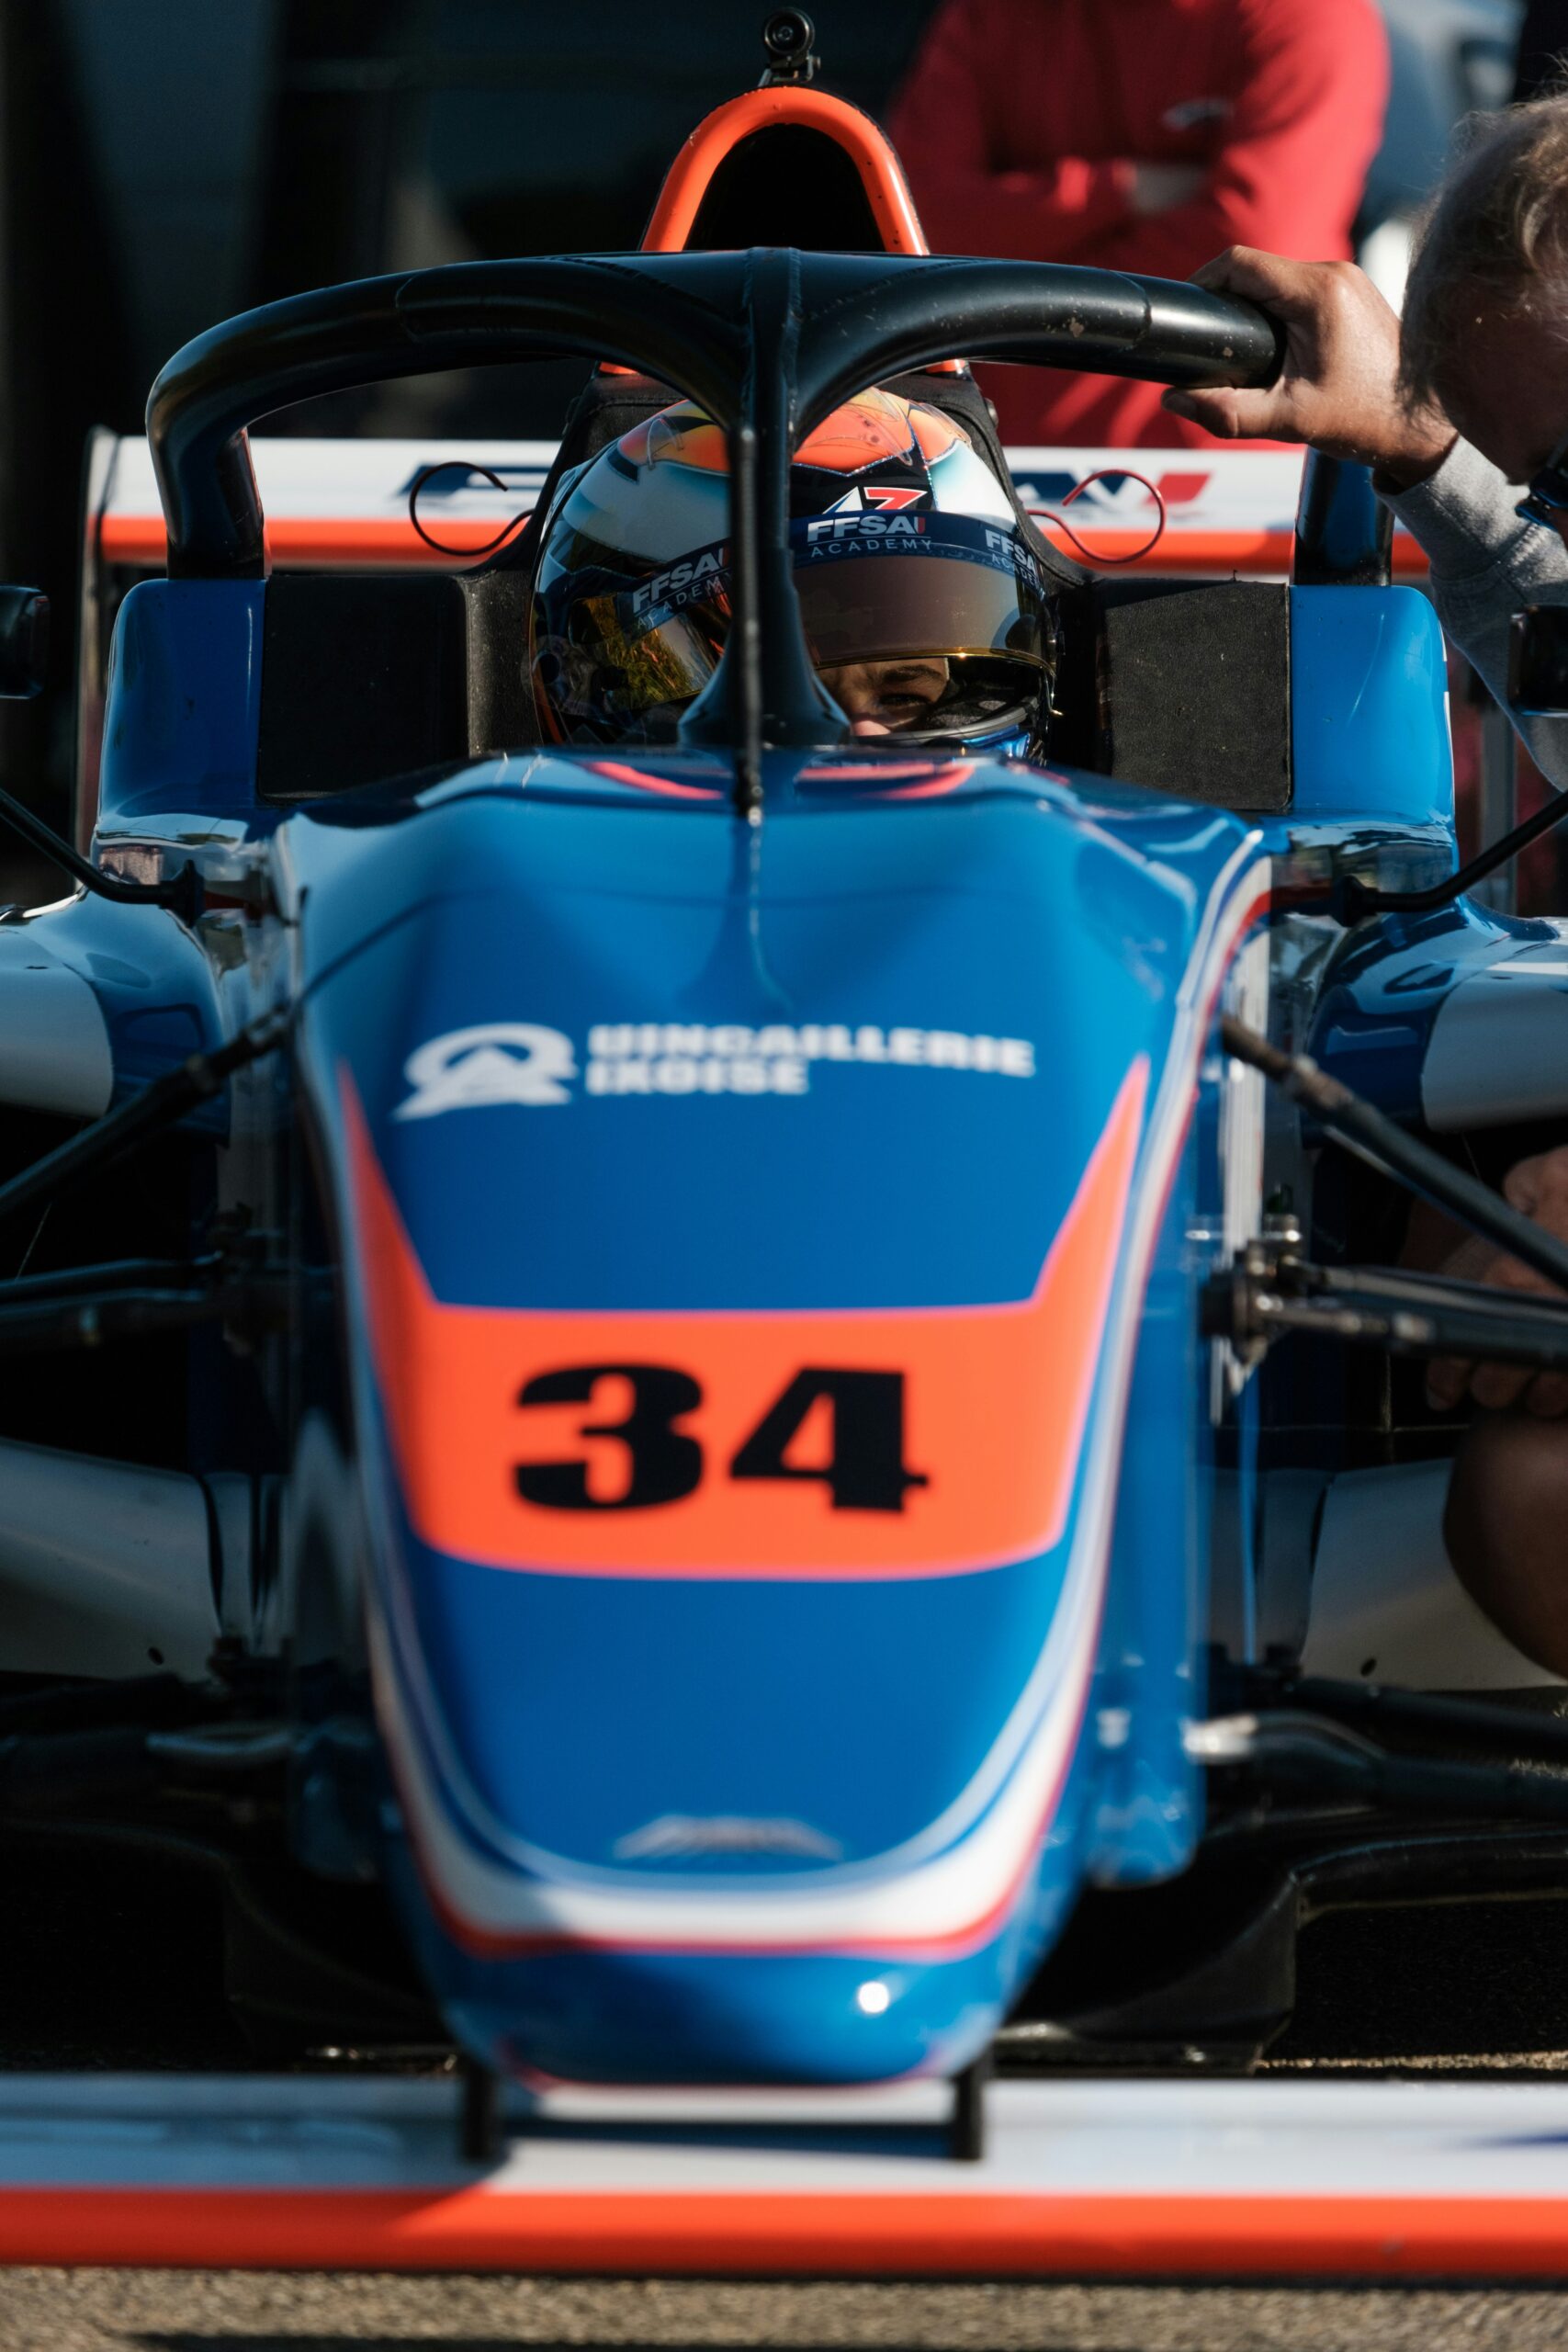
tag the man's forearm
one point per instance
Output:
(1486, 565)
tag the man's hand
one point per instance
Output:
(1160, 187)
(1537, 1187)
(1339, 386)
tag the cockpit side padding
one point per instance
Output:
(1191, 689)
(364, 677)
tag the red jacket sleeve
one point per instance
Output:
(941, 125)
(1292, 160)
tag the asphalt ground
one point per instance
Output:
(159, 2310)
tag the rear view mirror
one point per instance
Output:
(24, 642)
(1538, 661)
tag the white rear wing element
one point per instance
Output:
(344, 504)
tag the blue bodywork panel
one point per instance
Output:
(1369, 709)
(184, 701)
(550, 1728)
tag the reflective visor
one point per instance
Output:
(874, 588)
(670, 661)
(879, 587)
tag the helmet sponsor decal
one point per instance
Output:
(518, 1063)
(690, 582)
(839, 525)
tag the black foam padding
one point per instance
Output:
(1193, 689)
(364, 677)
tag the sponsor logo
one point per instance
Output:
(883, 497)
(519, 1062)
(450, 478)
(869, 526)
(683, 583)
(498, 1061)
(674, 1834)
(1109, 493)
(1013, 550)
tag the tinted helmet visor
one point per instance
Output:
(924, 626)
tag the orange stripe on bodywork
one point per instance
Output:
(995, 1401)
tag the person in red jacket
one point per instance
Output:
(1143, 135)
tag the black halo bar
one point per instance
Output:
(1344, 531)
(766, 341)
(1375, 1138)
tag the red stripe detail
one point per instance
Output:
(916, 2233)
(617, 773)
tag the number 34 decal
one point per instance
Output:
(841, 1429)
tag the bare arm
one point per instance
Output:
(1339, 388)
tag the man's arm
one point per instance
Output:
(1486, 565)
(1338, 390)
(941, 126)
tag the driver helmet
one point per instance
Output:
(927, 613)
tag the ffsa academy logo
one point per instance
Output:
(497, 1063)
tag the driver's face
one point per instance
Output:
(887, 698)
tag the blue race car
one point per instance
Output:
(706, 1383)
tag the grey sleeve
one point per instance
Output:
(1485, 564)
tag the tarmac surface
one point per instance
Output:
(93, 2310)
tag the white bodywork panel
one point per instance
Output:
(1498, 1051)
(336, 504)
(1386, 1606)
(54, 1042)
(102, 1564)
